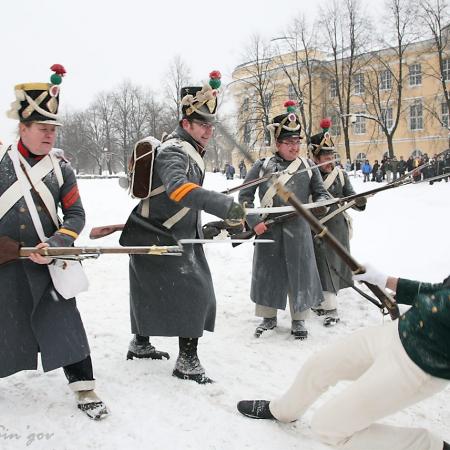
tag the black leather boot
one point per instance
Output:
(140, 347)
(188, 366)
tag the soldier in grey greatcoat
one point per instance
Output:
(174, 296)
(334, 273)
(286, 268)
(35, 317)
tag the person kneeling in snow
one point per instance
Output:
(392, 366)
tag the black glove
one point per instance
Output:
(360, 201)
(210, 231)
(320, 211)
(236, 214)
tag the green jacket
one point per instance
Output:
(425, 328)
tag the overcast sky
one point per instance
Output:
(103, 42)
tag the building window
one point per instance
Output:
(335, 125)
(444, 110)
(385, 79)
(386, 117)
(415, 74)
(417, 153)
(359, 127)
(247, 133)
(358, 83)
(416, 116)
(333, 89)
(245, 104)
(446, 69)
(291, 93)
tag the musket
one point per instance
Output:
(386, 301)
(11, 250)
(348, 199)
(266, 177)
(106, 230)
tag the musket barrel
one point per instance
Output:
(76, 251)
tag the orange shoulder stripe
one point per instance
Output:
(68, 232)
(181, 192)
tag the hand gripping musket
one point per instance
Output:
(386, 301)
(10, 250)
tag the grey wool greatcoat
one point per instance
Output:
(327, 259)
(287, 266)
(173, 295)
(34, 318)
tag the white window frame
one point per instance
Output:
(333, 89)
(387, 116)
(359, 127)
(415, 74)
(444, 114)
(385, 80)
(446, 69)
(358, 84)
(416, 119)
(291, 93)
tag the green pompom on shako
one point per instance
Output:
(55, 79)
(214, 79)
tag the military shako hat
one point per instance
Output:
(321, 143)
(38, 102)
(200, 102)
(286, 125)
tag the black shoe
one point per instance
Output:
(256, 409)
(446, 446)
(267, 324)
(145, 350)
(331, 318)
(298, 329)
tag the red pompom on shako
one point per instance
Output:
(58, 69)
(289, 103)
(215, 74)
(325, 124)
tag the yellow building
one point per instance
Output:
(260, 89)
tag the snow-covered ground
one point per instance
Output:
(403, 231)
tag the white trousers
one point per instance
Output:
(329, 302)
(268, 312)
(386, 380)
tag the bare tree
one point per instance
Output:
(104, 104)
(123, 104)
(178, 76)
(386, 74)
(347, 35)
(259, 85)
(299, 64)
(435, 16)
